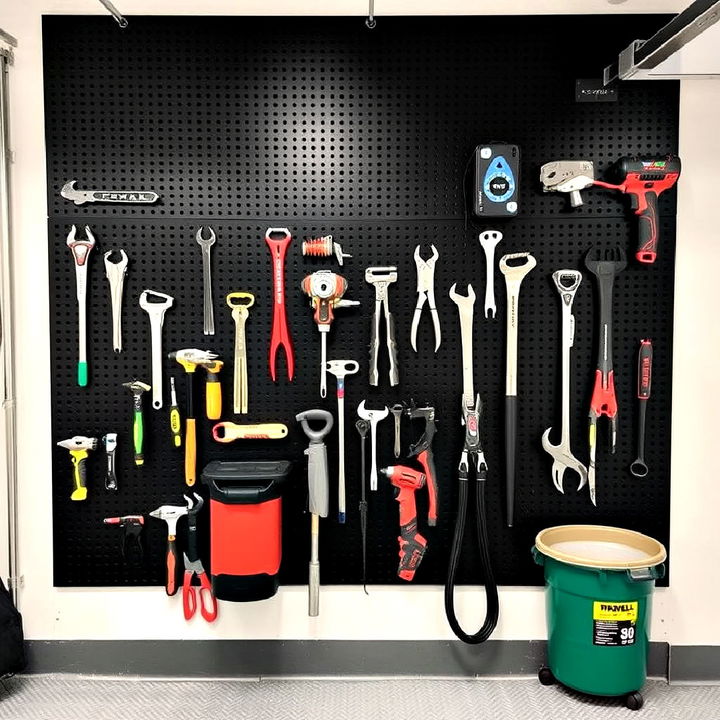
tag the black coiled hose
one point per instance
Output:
(491, 593)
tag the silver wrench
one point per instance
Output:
(567, 283)
(81, 251)
(156, 312)
(80, 197)
(489, 240)
(208, 315)
(341, 368)
(115, 273)
(397, 411)
(373, 417)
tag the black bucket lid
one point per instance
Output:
(246, 482)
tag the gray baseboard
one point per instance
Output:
(694, 663)
(303, 658)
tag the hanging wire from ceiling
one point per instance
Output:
(370, 19)
(121, 19)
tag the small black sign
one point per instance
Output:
(594, 91)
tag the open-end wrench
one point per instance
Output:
(341, 368)
(80, 197)
(397, 410)
(644, 380)
(489, 240)
(81, 250)
(240, 304)
(514, 267)
(373, 417)
(567, 282)
(156, 311)
(208, 314)
(280, 337)
(115, 273)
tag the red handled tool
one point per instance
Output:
(194, 568)
(422, 449)
(412, 544)
(280, 337)
(644, 179)
(604, 265)
(644, 380)
(170, 514)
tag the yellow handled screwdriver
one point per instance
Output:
(175, 424)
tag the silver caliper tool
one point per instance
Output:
(115, 273)
(156, 311)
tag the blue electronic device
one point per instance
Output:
(496, 179)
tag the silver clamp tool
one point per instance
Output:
(208, 314)
(81, 251)
(489, 241)
(318, 491)
(381, 278)
(156, 311)
(115, 273)
(568, 176)
(397, 410)
(80, 197)
(514, 267)
(567, 282)
(110, 444)
(426, 291)
(341, 368)
(373, 417)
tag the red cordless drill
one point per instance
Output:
(412, 544)
(644, 178)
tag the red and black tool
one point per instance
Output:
(644, 380)
(412, 544)
(194, 568)
(278, 239)
(604, 265)
(644, 179)
(170, 514)
(132, 525)
(422, 449)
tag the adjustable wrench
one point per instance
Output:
(341, 368)
(115, 273)
(81, 251)
(489, 241)
(567, 282)
(208, 315)
(240, 304)
(381, 278)
(280, 337)
(156, 312)
(514, 275)
(373, 417)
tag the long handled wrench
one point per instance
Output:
(115, 273)
(280, 337)
(81, 250)
(240, 304)
(373, 417)
(341, 368)
(318, 491)
(155, 304)
(362, 426)
(514, 267)
(205, 244)
(567, 282)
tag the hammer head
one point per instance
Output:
(190, 358)
(170, 514)
(136, 387)
(79, 442)
(568, 176)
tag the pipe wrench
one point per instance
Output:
(156, 311)
(81, 251)
(115, 273)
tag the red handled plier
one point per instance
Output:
(194, 567)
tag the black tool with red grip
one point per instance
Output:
(644, 380)
(422, 449)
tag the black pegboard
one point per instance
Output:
(326, 127)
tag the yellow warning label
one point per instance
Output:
(615, 611)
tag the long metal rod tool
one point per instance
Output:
(362, 427)
(7, 329)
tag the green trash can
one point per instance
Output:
(599, 582)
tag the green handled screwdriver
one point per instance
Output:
(137, 388)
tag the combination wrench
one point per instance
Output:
(81, 251)
(567, 282)
(373, 417)
(205, 245)
(489, 241)
(115, 273)
(156, 311)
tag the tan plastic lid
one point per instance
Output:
(600, 546)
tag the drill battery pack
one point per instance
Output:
(245, 527)
(496, 180)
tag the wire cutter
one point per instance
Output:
(193, 567)
(426, 291)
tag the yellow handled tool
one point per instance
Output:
(174, 415)
(79, 445)
(226, 432)
(213, 390)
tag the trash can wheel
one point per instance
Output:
(546, 677)
(633, 700)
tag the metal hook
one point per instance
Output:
(370, 20)
(121, 20)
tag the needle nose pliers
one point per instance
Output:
(426, 291)
(194, 567)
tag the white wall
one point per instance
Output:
(684, 614)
